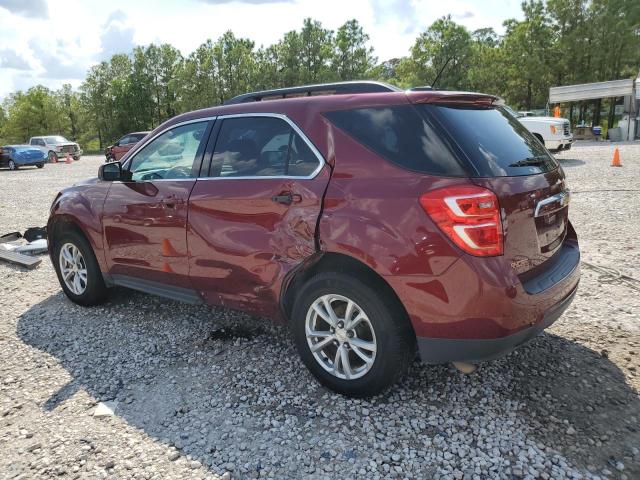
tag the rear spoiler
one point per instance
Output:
(454, 98)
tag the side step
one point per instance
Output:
(155, 288)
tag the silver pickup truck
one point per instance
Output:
(56, 146)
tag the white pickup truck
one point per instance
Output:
(55, 147)
(554, 133)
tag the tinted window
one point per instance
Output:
(403, 136)
(170, 155)
(261, 147)
(493, 140)
(447, 141)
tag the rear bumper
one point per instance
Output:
(479, 309)
(442, 350)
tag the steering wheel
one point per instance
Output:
(178, 172)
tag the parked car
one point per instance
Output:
(554, 133)
(377, 222)
(16, 156)
(56, 146)
(117, 150)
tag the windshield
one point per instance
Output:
(55, 139)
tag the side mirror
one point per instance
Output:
(110, 172)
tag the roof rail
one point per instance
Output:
(309, 90)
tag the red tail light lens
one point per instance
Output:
(469, 216)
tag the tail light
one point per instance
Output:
(469, 216)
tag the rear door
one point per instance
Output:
(145, 218)
(253, 214)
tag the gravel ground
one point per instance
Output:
(209, 393)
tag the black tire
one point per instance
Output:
(53, 158)
(396, 344)
(40, 165)
(12, 165)
(96, 291)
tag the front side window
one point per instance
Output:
(261, 147)
(170, 155)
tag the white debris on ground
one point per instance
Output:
(208, 393)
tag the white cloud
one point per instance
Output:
(116, 36)
(77, 34)
(26, 8)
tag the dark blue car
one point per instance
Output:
(16, 156)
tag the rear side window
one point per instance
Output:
(403, 136)
(261, 147)
(494, 141)
(446, 140)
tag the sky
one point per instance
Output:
(52, 42)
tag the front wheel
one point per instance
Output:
(40, 165)
(353, 340)
(12, 165)
(78, 270)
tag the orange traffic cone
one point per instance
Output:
(616, 158)
(168, 250)
(166, 268)
(67, 158)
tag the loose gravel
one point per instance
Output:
(210, 393)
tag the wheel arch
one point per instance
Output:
(339, 263)
(60, 223)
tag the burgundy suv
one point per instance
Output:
(374, 221)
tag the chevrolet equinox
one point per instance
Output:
(375, 222)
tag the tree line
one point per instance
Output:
(559, 42)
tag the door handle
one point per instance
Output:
(287, 198)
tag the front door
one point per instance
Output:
(254, 218)
(144, 219)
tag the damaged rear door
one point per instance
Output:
(253, 212)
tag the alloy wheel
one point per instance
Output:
(73, 268)
(340, 336)
(12, 165)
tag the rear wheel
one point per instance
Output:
(53, 158)
(78, 270)
(40, 165)
(352, 340)
(12, 165)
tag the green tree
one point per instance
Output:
(353, 59)
(444, 50)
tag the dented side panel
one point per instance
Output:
(242, 243)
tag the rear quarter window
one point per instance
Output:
(403, 136)
(454, 141)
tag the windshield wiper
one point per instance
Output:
(530, 162)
